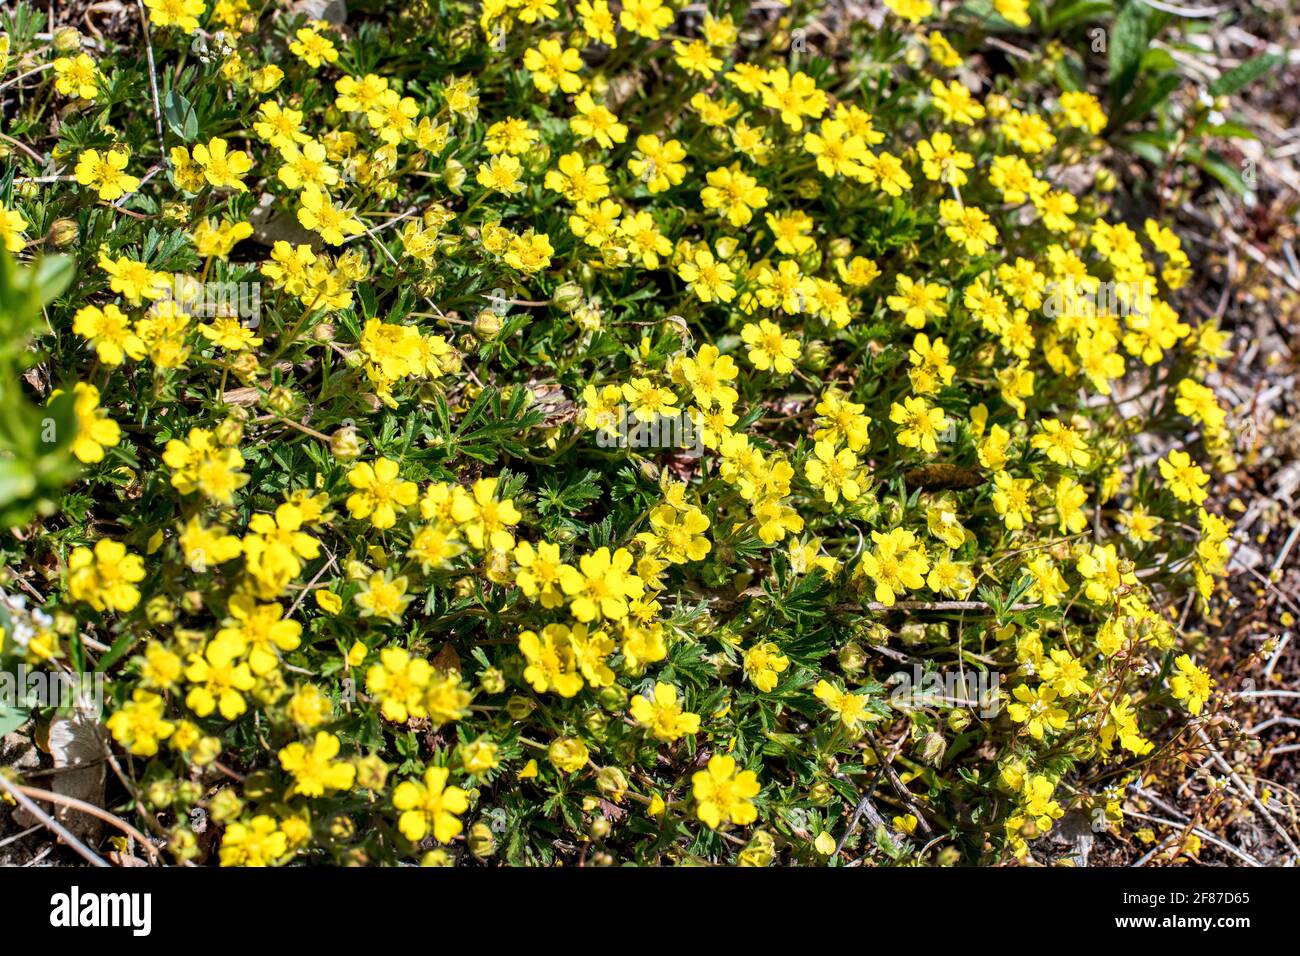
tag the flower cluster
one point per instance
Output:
(372, 563)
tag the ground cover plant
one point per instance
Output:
(607, 433)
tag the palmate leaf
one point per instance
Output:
(492, 425)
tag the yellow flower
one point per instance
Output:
(941, 162)
(1013, 500)
(1062, 444)
(1071, 497)
(733, 193)
(430, 806)
(540, 570)
(205, 546)
(770, 347)
(315, 772)
(221, 166)
(724, 795)
(435, 546)
(601, 585)
(896, 564)
(105, 172)
(317, 212)
(76, 76)
(913, 11)
(1191, 684)
(645, 18)
(259, 631)
(1036, 709)
(134, 280)
(596, 122)
(384, 596)
(219, 681)
(763, 664)
(275, 548)
(835, 473)
(313, 48)
(918, 301)
(577, 180)
(309, 707)
(380, 492)
(95, 430)
(1186, 480)
(664, 716)
(258, 843)
(106, 577)
(182, 14)
(967, 226)
(793, 97)
(708, 278)
(281, 126)
(921, 423)
(678, 536)
(478, 756)
(139, 725)
(553, 66)
(1065, 673)
(552, 664)
(1083, 111)
(851, 709)
(1105, 572)
(399, 682)
(200, 464)
(568, 754)
(658, 163)
(12, 224)
(501, 174)
(484, 520)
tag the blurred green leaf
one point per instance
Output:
(1245, 74)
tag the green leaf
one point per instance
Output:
(1226, 131)
(1218, 167)
(1129, 40)
(1076, 13)
(11, 718)
(1244, 74)
(50, 277)
(120, 647)
(1158, 61)
(1149, 96)
(180, 116)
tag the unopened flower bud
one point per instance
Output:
(851, 658)
(225, 805)
(492, 681)
(487, 325)
(67, 39)
(345, 444)
(613, 698)
(567, 296)
(454, 175)
(63, 232)
(932, 748)
(481, 841)
(519, 708)
(281, 399)
(160, 793)
(612, 782)
(160, 610)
